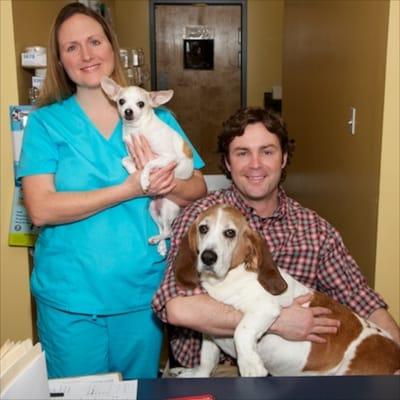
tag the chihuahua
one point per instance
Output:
(135, 105)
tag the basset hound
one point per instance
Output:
(233, 263)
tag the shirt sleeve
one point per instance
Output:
(170, 120)
(340, 277)
(39, 154)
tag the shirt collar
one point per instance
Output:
(279, 212)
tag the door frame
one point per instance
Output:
(243, 44)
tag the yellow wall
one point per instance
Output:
(15, 322)
(387, 276)
(332, 61)
(132, 25)
(264, 48)
(132, 28)
(15, 316)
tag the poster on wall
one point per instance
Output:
(22, 232)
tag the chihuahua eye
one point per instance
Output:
(230, 233)
(121, 102)
(203, 229)
(140, 104)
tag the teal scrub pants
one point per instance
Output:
(81, 344)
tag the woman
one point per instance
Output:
(94, 272)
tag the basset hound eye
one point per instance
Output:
(229, 233)
(203, 229)
(121, 102)
(140, 104)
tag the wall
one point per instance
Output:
(264, 48)
(38, 16)
(318, 107)
(132, 28)
(15, 313)
(132, 25)
(332, 61)
(15, 305)
(15, 81)
(387, 276)
(265, 30)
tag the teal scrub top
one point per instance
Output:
(102, 264)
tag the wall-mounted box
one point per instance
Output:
(198, 53)
(37, 81)
(34, 57)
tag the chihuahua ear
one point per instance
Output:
(185, 261)
(160, 97)
(269, 276)
(110, 87)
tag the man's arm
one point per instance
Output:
(204, 314)
(383, 319)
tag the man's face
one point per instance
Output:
(255, 163)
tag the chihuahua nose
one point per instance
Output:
(209, 257)
(128, 114)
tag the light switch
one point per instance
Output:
(352, 121)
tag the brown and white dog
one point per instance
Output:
(234, 265)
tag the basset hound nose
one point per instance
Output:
(128, 113)
(209, 257)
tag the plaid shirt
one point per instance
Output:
(301, 242)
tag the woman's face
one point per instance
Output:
(85, 52)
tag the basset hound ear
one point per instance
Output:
(261, 261)
(241, 253)
(185, 261)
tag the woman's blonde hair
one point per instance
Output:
(57, 85)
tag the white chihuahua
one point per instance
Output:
(135, 106)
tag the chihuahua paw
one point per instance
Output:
(144, 182)
(129, 165)
(159, 240)
(162, 248)
(155, 239)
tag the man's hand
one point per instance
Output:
(300, 323)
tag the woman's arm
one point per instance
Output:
(188, 190)
(46, 206)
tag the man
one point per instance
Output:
(255, 151)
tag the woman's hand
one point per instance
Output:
(162, 180)
(140, 151)
(301, 323)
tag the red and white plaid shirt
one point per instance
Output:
(301, 242)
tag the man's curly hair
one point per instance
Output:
(236, 125)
